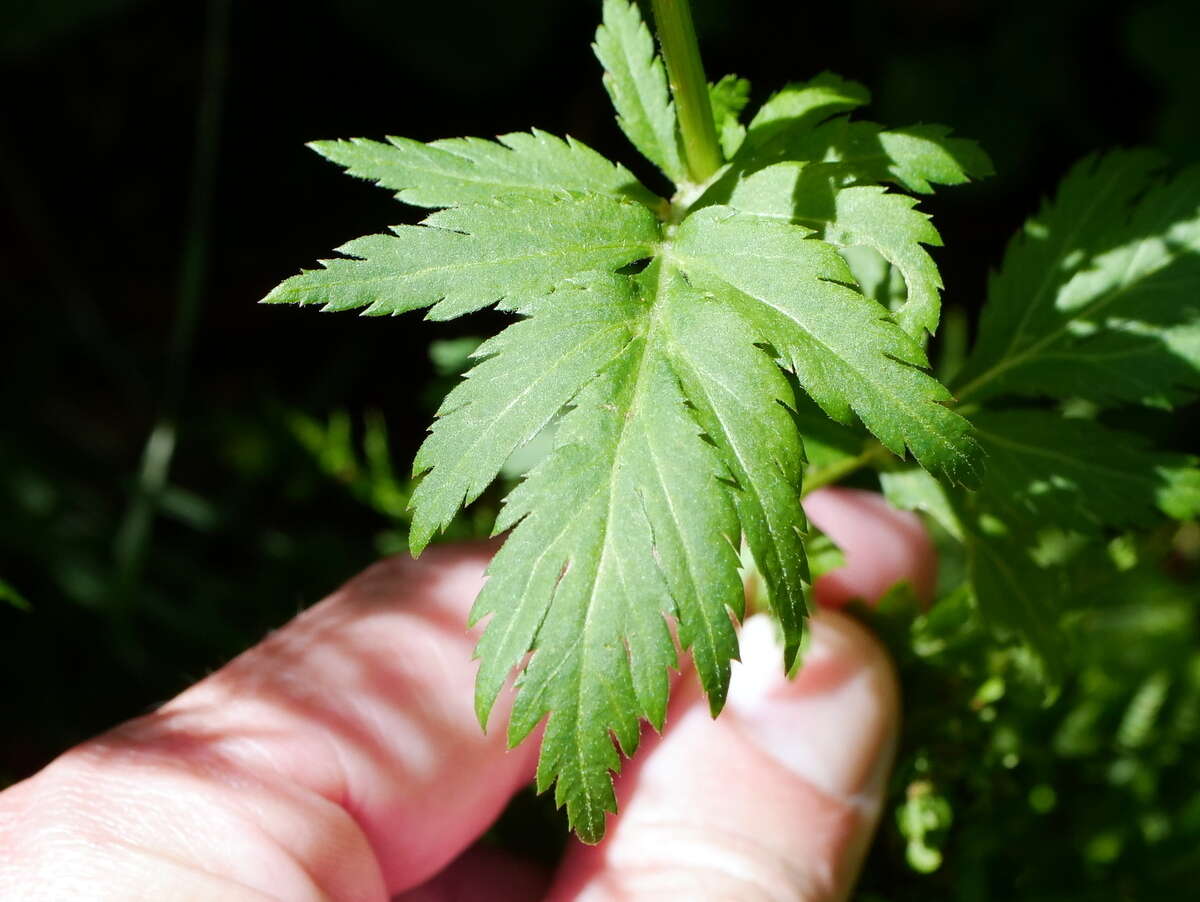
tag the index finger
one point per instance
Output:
(346, 741)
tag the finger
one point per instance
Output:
(882, 546)
(776, 799)
(340, 758)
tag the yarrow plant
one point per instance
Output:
(704, 358)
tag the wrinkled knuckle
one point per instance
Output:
(709, 864)
(53, 827)
(112, 810)
(62, 803)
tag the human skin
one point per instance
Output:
(340, 759)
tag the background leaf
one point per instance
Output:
(1097, 297)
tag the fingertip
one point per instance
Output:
(834, 724)
(882, 546)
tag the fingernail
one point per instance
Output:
(834, 724)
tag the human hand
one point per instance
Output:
(340, 760)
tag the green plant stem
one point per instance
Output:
(873, 452)
(677, 35)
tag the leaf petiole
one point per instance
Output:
(873, 453)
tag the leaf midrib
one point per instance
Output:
(408, 275)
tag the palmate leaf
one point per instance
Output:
(1078, 474)
(1096, 299)
(683, 354)
(1099, 295)
(1066, 481)
(678, 442)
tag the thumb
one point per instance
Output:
(776, 799)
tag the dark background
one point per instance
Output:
(154, 185)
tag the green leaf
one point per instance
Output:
(682, 443)
(465, 258)
(1099, 295)
(729, 97)
(805, 162)
(803, 123)
(1078, 474)
(1095, 304)
(796, 110)
(627, 522)
(456, 171)
(744, 403)
(637, 84)
(1014, 593)
(863, 216)
(887, 223)
(848, 356)
(528, 373)
(917, 157)
(1054, 490)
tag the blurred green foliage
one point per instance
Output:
(296, 432)
(1001, 792)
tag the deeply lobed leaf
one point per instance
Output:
(857, 216)
(803, 161)
(1099, 294)
(684, 352)
(744, 404)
